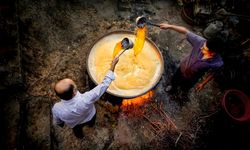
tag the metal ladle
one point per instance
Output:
(126, 44)
(142, 21)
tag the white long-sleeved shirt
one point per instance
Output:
(80, 108)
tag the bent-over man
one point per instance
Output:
(77, 109)
(203, 58)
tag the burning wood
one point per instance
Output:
(138, 101)
(135, 106)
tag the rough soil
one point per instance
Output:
(55, 39)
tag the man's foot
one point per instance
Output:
(79, 136)
(78, 132)
(168, 88)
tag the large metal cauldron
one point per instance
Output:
(149, 66)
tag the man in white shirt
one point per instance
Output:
(76, 109)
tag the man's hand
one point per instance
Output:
(165, 26)
(113, 64)
(179, 29)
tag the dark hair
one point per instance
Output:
(67, 94)
(215, 44)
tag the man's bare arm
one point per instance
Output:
(179, 29)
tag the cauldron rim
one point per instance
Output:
(126, 32)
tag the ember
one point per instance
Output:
(138, 101)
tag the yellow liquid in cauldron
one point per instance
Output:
(132, 72)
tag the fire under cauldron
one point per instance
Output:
(135, 75)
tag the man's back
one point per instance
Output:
(194, 66)
(75, 111)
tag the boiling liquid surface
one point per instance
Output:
(133, 73)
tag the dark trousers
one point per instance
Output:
(78, 128)
(179, 81)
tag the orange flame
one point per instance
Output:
(117, 49)
(139, 40)
(138, 101)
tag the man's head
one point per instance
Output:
(212, 46)
(215, 44)
(65, 89)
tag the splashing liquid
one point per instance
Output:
(117, 49)
(139, 40)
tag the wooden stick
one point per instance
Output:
(166, 117)
(175, 144)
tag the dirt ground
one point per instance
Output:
(55, 39)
